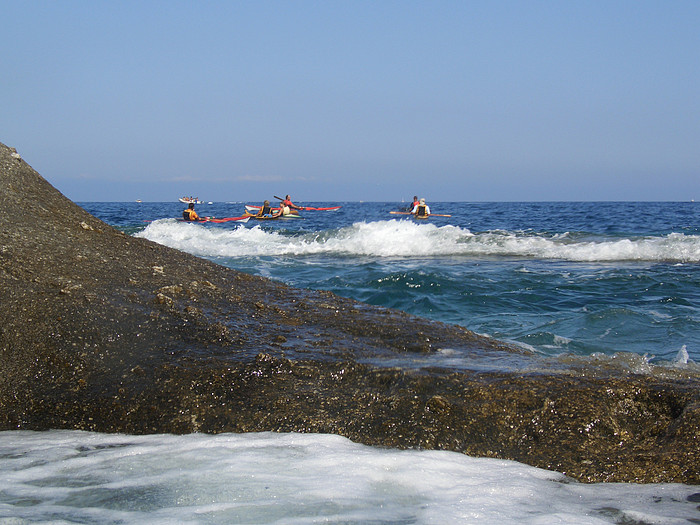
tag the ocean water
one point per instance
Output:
(558, 278)
(597, 282)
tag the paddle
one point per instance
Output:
(281, 199)
(309, 208)
(226, 219)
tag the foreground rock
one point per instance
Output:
(101, 331)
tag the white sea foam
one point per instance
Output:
(72, 476)
(397, 238)
(682, 358)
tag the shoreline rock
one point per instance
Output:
(106, 332)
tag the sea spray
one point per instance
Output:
(395, 238)
(73, 476)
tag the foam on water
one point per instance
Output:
(514, 286)
(401, 238)
(80, 477)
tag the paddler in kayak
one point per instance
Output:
(421, 210)
(413, 204)
(287, 206)
(266, 211)
(189, 214)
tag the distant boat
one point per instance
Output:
(190, 200)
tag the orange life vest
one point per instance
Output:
(190, 215)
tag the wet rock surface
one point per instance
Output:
(102, 331)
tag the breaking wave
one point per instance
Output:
(396, 238)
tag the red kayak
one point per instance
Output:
(243, 218)
(429, 215)
(251, 207)
(311, 208)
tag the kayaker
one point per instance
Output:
(415, 202)
(266, 211)
(421, 209)
(287, 205)
(189, 214)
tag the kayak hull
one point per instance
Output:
(255, 207)
(243, 219)
(272, 217)
(426, 217)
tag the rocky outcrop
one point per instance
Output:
(102, 331)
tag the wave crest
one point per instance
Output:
(396, 238)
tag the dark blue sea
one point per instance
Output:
(592, 282)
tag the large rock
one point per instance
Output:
(101, 331)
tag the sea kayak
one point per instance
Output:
(253, 207)
(243, 218)
(272, 217)
(409, 213)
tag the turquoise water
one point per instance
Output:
(583, 278)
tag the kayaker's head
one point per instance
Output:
(191, 206)
(422, 201)
(266, 203)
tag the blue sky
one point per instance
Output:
(357, 100)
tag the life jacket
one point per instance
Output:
(190, 215)
(265, 210)
(421, 212)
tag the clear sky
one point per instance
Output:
(355, 100)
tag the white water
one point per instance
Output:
(79, 477)
(405, 238)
